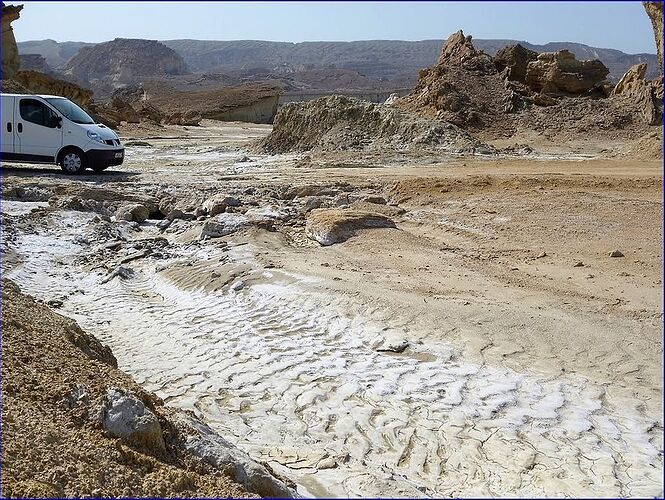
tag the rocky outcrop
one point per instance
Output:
(648, 96)
(631, 80)
(559, 72)
(255, 103)
(40, 83)
(514, 59)
(262, 110)
(213, 449)
(463, 88)
(124, 61)
(34, 62)
(189, 118)
(458, 50)
(338, 123)
(655, 12)
(10, 57)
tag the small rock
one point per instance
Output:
(237, 286)
(224, 224)
(326, 463)
(312, 202)
(541, 255)
(176, 213)
(579, 264)
(391, 345)
(55, 303)
(126, 417)
(219, 203)
(378, 200)
(132, 212)
(616, 253)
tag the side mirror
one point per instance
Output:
(56, 122)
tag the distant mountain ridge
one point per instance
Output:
(380, 59)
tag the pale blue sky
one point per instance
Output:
(619, 25)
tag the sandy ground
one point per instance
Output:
(50, 447)
(489, 345)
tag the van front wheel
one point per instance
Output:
(73, 161)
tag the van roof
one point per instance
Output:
(44, 96)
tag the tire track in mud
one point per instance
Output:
(290, 376)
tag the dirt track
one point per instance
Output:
(524, 372)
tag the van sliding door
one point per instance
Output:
(39, 137)
(7, 110)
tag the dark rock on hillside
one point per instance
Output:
(34, 62)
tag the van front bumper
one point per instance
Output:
(105, 157)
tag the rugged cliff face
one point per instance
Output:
(124, 61)
(10, 59)
(40, 83)
(34, 62)
(655, 13)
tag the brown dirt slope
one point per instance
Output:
(53, 376)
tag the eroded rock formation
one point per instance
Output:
(10, 59)
(514, 59)
(339, 122)
(560, 72)
(463, 88)
(40, 83)
(458, 50)
(648, 95)
(655, 12)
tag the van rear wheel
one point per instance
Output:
(73, 161)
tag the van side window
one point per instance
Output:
(34, 111)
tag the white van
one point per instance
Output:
(52, 129)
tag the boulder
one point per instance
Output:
(10, 57)
(224, 224)
(559, 72)
(514, 58)
(132, 212)
(218, 204)
(126, 417)
(333, 225)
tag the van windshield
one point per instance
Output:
(70, 110)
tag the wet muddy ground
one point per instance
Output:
(488, 345)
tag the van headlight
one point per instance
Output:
(95, 136)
